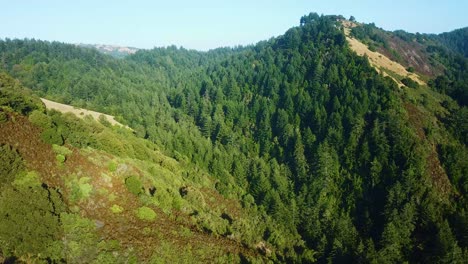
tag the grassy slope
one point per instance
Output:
(378, 60)
(193, 222)
(79, 112)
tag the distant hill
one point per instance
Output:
(456, 40)
(113, 50)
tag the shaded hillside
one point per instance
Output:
(316, 155)
(456, 40)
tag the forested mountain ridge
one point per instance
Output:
(338, 162)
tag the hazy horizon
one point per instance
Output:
(208, 24)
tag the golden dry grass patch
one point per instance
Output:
(79, 112)
(377, 59)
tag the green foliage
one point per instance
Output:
(11, 164)
(80, 188)
(458, 124)
(52, 136)
(134, 185)
(146, 213)
(27, 179)
(29, 222)
(61, 150)
(166, 253)
(328, 164)
(103, 120)
(14, 96)
(116, 209)
(80, 240)
(455, 40)
(455, 162)
(410, 83)
(3, 116)
(369, 32)
(40, 119)
(62, 153)
(112, 166)
(60, 158)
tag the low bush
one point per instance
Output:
(134, 185)
(146, 213)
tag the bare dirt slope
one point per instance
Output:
(378, 60)
(79, 112)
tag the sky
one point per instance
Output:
(208, 24)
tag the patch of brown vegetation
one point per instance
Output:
(403, 52)
(434, 168)
(138, 234)
(379, 60)
(216, 200)
(38, 156)
(148, 236)
(412, 54)
(132, 233)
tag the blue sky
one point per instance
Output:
(206, 24)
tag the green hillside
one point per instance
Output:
(291, 150)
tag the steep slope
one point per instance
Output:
(413, 51)
(327, 159)
(378, 60)
(133, 204)
(441, 59)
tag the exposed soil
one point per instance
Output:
(38, 156)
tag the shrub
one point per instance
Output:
(79, 188)
(60, 158)
(80, 241)
(146, 213)
(409, 83)
(52, 136)
(134, 185)
(61, 150)
(3, 117)
(40, 119)
(103, 120)
(62, 153)
(10, 164)
(29, 222)
(28, 179)
(112, 166)
(116, 209)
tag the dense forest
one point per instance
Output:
(337, 161)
